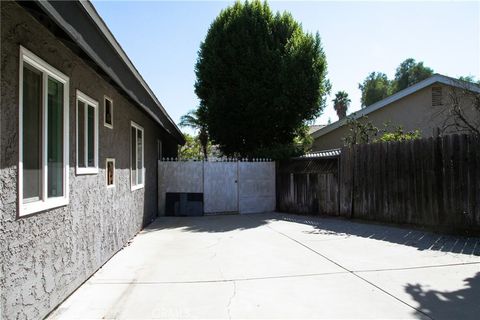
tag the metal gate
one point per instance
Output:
(220, 187)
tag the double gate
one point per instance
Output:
(216, 187)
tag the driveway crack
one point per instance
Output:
(231, 299)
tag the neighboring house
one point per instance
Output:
(421, 106)
(81, 133)
(315, 127)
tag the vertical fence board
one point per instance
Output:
(378, 181)
(414, 182)
(432, 181)
(358, 188)
(369, 164)
(456, 183)
(463, 176)
(439, 181)
(426, 208)
(392, 162)
(400, 167)
(363, 165)
(410, 197)
(385, 180)
(471, 174)
(345, 182)
(446, 178)
(476, 179)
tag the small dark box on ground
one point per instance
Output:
(184, 204)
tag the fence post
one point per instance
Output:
(345, 185)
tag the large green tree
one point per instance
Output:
(374, 88)
(261, 78)
(408, 73)
(377, 86)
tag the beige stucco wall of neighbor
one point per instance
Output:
(414, 111)
(44, 257)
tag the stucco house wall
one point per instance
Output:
(45, 256)
(414, 111)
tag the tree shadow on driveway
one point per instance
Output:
(213, 223)
(460, 304)
(421, 240)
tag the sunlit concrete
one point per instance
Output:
(282, 266)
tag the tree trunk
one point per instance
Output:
(205, 153)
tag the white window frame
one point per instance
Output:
(107, 160)
(87, 101)
(137, 185)
(108, 125)
(47, 70)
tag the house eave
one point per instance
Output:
(85, 27)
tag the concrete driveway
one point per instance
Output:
(282, 266)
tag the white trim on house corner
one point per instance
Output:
(136, 185)
(108, 125)
(107, 160)
(436, 78)
(45, 203)
(88, 102)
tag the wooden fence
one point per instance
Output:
(432, 182)
(308, 186)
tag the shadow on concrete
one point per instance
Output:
(422, 240)
(460, 304)
(218, 223)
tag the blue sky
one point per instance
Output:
(162, 39)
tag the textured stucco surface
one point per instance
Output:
(46, 256)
